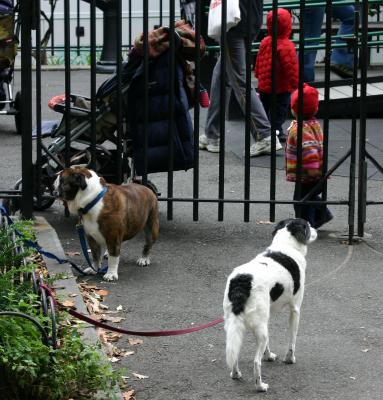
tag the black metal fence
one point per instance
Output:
(108, 109)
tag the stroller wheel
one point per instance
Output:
(16, 105)
(149, 184)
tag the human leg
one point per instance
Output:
(236, 71)
(341, 58)
(312, 28)
(282, 107)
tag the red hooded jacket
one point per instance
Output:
(287, 69)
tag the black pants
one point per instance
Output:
(316, 214)
(282, 106)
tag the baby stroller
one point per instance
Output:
(132, 89)
(9, 32)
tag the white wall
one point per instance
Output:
(137, 20)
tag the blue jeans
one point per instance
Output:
(236, 78)
(313, 24)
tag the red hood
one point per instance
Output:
(284, 23)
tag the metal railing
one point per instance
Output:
(49, 159)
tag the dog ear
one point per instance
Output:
(280, 225)
(299, 228)
(80, 178)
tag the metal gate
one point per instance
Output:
(83, 115)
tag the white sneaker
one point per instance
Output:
(210, 145)
(264, 147)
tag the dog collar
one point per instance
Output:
(89, 206)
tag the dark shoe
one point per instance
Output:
(342, 70)
(282, 137)
(326, 217)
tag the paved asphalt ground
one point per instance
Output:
(339, 347)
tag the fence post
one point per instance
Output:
(26, 16)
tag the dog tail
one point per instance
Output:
(239, 292)
(235, 330)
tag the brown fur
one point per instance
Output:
(128, 209)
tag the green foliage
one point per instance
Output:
(28, 368)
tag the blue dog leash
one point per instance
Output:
(81, 231)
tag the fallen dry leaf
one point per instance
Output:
(111, 319)
(102, 292)
(72, 253)
(128, 353)
(139, 376)
(119, 308)
(68, 303)
(134, 342)
(129, 395)
(113, 336)
(114, 359)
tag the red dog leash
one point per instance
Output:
(172, 332)
(169, 332)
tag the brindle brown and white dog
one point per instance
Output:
(117, 213)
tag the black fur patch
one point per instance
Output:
(239, 292)
(300, 229)
(276, 291)
(288, 263)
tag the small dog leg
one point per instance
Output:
(112, 274)
(151, 234)
(97, 254)
(261, 339)
(293, 328)
(269, 356)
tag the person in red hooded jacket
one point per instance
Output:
(287, 69)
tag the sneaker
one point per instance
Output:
(281, 136)
(325, 217)
(210, 145)
(264, 147)
(342, 70)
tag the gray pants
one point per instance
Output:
(236, 78)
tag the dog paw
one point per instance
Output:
(270, 357)
(236, 374)
(290, 358)
(110, 276)
(143, 261)
(261, 387)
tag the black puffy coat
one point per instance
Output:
(159, 115)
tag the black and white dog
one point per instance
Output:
(273, 279)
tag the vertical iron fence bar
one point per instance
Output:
(161, 12)
(26, 108)
(38, 102)
(246, 205)
(327, 84)
(362, 124)
(119, 92)
(93, 83)
(146, 87)
(78, 28)
(172, 73)
(130, 24)
(221, 174)
(274, 55)
(52, 28)
(197, 28)
(298, 183)
(351, 194)
(67, 80)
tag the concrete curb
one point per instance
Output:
(49, 241)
